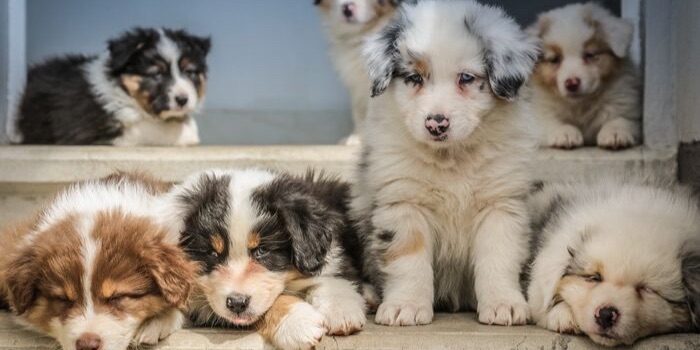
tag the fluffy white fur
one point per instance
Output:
(605, 110)
(640, 237)
(443, 218)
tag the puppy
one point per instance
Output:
(277, 251)
(141, 92)
(95, 270)
(618, 260)
(348, 23)
(586, 89)
(443, 176)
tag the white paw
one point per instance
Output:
(560, 319)
(566, 136)
(504, 312)
(404, 314)
(158, 328)
(303, 328)
(615, 138)
(351, 140)
(344, 317)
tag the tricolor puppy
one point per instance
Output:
(142, 91)
(443, 174)
(95, 270)
(586, 89)
(618, 260)
(348, 23)
(277, 251)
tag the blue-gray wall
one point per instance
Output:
(270, 80)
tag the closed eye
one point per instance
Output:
(594, 278)
(115, 298)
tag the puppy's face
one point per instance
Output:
(447, 65)
(252, 232)
(164, 71)
(91, 281)
(621, 288)
(356, 14)
(582, 46)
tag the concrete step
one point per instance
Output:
(31, 174)
(448, 331)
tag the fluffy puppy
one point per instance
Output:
(141, 92)
(617, 260)
(276, 252)
(586, 89)
(442, 177)
(348, 23)
(95, 270)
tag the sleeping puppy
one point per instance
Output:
(277, 251)
(586, 89)
(348, 23)
(142, 91)
(618, 260)
(95, 270)
(443, 173)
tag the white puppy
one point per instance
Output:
(442, 177)
(586, 89)
(348, 23)
(618, 260)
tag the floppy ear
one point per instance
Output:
(690, 267)
(509, 53)
(617, 32)
(171, 270)
(540, 26)
(21, 276)
(123, 48)
(381, 54)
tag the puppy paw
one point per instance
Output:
(158, 328)
(560, 319)
(344, 317)
(504, 312)
(352, 140)
(404, 314)
(566, 137)
(615, 138)
(303, 328)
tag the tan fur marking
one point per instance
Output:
(412, 244)
(202, 88)
(606, 62)
(253, 240)
(268, 324)
(132, 84)
(545, 73)
(218, 244)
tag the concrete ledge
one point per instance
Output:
(449, 331)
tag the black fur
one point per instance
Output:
(390, 58)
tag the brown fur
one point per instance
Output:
(153, 185)
(545, 73)
(412, 245)
(268, 324)
(132, 85)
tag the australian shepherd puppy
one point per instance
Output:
(442, 179)
(143, 91)
(618, 260)
(95, 270)
(348, 23)
(586, 89)
(276, 251)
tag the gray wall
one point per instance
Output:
(4, 67)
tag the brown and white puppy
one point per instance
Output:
(260, 236)
(347, 23)
(95, 270)
(617, 260)
(586, 89)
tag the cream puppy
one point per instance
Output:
(586, 89)
(442, 177)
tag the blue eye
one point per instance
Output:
(466, 78)
(414, 79)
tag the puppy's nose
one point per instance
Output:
(88, 341)
(572, 84)
(348, 9)
(606, 316)
(181, 100)
(437, 124)
(237, 302)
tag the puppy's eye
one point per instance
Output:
(414, 79)
(643, 289)
(259, 253)
(466, 78)
(117, 298)
(590, 56)
(214, 254)
(61, 299)
(553, 59)
(595, 278)
(192, 72)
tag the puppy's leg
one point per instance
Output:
(498, 252)
(619, 133)
(402, 245)
(557, 134)
(159, 327)
(291, 323)
(560, 319)
(340, 303)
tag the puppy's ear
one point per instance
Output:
(540, 26)
(317, 2)
(123, 48)
(509, 53)
(171, 270)
(382, 55)
(21, 276)
(690, 268)
(616, 32)
(203, 44)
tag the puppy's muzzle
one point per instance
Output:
(437, 125)
(606, 317)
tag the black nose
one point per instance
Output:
(237, 302)
(348, 9)
(181, 100)
(437, 124)
(606, 317)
